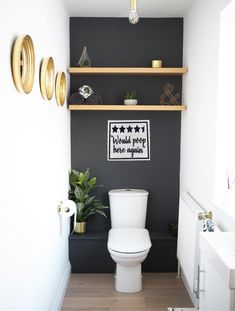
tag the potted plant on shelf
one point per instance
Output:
(81, 186)
(130, 98)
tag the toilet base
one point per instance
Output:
(128, 279)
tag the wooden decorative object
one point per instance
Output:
(23, 64)
(167, 97)
(47, 76)
(60, 88)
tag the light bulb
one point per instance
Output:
(133, 17)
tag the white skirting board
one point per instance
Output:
(62, 289)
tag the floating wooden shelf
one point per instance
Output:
(129, 107)
(127, 70)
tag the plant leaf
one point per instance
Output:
(81, 179)
(89, 200)
(87, 174)
(73, 177)
(92, 182)
(80, 206)
(80, 217)
(79, 194)
(101, 212)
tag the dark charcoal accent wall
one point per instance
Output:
(115, 42)
(160, 176)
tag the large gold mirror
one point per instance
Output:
(60, 88)
(47, 78)
(23, 64)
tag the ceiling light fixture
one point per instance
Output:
(133, 16)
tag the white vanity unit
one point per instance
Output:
(217, 271)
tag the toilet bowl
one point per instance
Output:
(128, 240)
(128, 247)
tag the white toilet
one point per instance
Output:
(128, 240)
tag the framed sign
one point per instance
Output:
(128, 140)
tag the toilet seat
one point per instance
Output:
(129, 240)
(125, 258)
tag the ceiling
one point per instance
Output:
(121, 8)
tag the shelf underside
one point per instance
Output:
(128, 70)
(129, 107)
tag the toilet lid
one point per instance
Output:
(128, 192)
(129, 240)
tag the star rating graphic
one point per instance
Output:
(128, 129)
(137, 129)
(122, 129)
(115, 129)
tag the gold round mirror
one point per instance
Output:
(47, 78)
(23, 64)
(60, 88)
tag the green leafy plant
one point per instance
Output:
(130, 95)
(82, 184)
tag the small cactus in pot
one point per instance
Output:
(130, 98)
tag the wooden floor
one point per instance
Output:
(95, 292)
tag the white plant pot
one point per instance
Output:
(130, 101)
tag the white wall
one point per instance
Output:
(34, 164)
(200, 94)
(225, 154)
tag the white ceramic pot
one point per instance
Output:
(130, 101)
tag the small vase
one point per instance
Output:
(84, 60)
(80, 227)
(130, 101)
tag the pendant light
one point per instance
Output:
(133, 16)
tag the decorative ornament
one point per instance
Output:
(94, 99)
(156, 63)
(85, 91)
(47, 76)
(167, 98)
(76, 99)
(60, 88)
(84, 60)
(128, 140)
(23, 64)
(85, 95)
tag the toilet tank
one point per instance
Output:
(128, 208)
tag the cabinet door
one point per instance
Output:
(214, 294)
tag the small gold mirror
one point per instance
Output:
(60, 88)
(47, 78)
(23, 64)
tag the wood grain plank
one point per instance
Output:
(128, 70)
(95, 292)
(129, 107)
